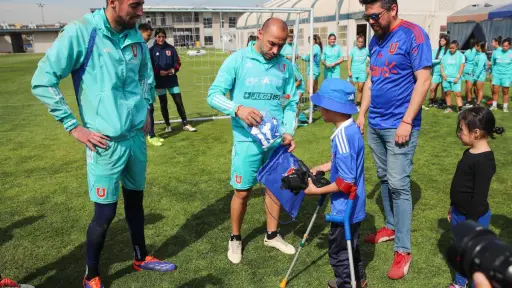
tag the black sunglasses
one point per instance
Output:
(374, 16)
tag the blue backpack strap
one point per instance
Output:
(78, 74)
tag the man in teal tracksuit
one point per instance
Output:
(259, 80)
(113, 80)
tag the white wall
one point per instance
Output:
(43, 41)
(5, 44)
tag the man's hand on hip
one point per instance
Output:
(250, 116)
(288, 141)
(89, 138)
(403, 133)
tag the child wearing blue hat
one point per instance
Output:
(335, 100)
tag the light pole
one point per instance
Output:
(41, 5)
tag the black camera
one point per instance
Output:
(477, 249)
(297, 180)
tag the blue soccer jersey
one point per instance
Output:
(347, 146)
(394, 59)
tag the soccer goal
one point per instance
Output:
(205, 36)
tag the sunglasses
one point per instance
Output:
(374, 16)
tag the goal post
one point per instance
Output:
(205, 36)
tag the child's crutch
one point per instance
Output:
(320, 203)
(348, 236)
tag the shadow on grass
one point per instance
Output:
(68, 270)
(6, 232)
(209, 280)
(177, 128)
(445, 240)
(502, 223)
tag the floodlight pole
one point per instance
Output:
(41, 5)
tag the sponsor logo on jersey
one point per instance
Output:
(383, 71)
(261, 96)
(267, 80)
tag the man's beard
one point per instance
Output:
(125, 24)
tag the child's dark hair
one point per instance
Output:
(318, 41)
(479, 118)
(456, 43)
(160, 31)
(483, 46)
(253, 38)
(145, 27)
(447, 39)
(498, 40)
(507, 40)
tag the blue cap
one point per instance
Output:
(336, 95)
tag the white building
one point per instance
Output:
(184, 28)
(430, 14)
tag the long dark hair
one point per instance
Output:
(498, 40)
(483, 46)
(479, 118)
(160, 31)
(447, 40)
(318, 41)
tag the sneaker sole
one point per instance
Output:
(406, 271)
(386, 239)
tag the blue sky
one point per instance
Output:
(27, 11)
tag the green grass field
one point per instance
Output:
(45, 206)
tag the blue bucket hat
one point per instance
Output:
(336, 95)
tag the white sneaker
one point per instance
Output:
(235, 251)
(189, 128)
(493, 108)
(505, 109)
(280, 245)
(168, 129)
(448, 110)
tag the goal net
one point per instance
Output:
(204, 37)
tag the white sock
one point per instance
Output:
(494, 103)
(505, 105)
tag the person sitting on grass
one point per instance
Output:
(452, 67)
(470, 184)
(335, 100)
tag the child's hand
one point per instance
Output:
(312, 189)
(316, 169)
(450, 214)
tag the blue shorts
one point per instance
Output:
(481, 78)
(246, 160)
(468, 76)
(173, 90)
(449, 85)
(436, 79)
(332, 72)
(122, 161)
(501, 81)
(359, 77)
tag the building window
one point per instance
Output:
(185, 37)
(163, 20)
(232, 22)
(322, 32)
(208, 40)
(196, 17)
(207, 22)
(221, 22)
(342, 35)
(300, 37)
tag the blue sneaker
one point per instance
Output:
(151, 263)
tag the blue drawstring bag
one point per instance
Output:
(280, 164)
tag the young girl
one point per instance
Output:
(317, 53)
(452, 67)
(437, 56)
(357, 67)
(470, 55)
(332, 57)
(470, 185)
(479, 73)
(502, 74)
(496, 46)
(166, 63)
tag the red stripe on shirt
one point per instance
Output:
(418, 34)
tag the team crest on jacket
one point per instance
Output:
(281, 67)
(135, 50)
(392, 48)
(168, 53)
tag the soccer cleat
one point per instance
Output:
(8, 283)
(493, 108)
(189, 128)
(168, 129)
(160, 139)
(153, 264)
(153, 141)
(235, 251)
(382, 235)
(280, 244)
(93, 283)
(400, 266)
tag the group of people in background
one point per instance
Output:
(166, 64)
(451, 68)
